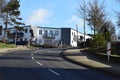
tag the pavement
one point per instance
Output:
(19, 47)
(80, 57)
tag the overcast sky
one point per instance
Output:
(60, 13)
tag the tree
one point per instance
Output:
(108, 30)
(95, 15)
(2, 5)
(118, 19)
(11, 15)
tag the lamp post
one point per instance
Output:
(77, 34)
(84, 22)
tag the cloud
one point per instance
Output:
(75, 20)
(39, 16)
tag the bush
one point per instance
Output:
(98, 41)
(116, 48)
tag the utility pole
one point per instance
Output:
(84, 21)
(16, 38)
(77, 34)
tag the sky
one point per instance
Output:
(61, 13)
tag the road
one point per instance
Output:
(45, 64)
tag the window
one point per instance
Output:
(25, 39)
(31, 31)
(81, 37)
(72, 33)
(40, 40)
(26, 30)
(56, 32)
(40, 31)
(51, 33)
(45, 32)
(72, 41)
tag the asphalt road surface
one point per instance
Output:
(45, 64)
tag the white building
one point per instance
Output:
(70, 36)
(18, 35)
(47, 35)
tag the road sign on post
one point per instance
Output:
(108, 50)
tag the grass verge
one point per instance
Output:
(3, 45)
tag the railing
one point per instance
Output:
(18, 35)
(46, 36)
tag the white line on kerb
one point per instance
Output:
(54, 72)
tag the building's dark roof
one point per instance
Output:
(49, 27)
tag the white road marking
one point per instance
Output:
(33, 58)
(38, 63)
(54, 72)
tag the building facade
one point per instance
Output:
(45, 35)
(71, 37)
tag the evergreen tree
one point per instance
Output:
(10, 15)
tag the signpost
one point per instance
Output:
(108, 50)
(61, 43)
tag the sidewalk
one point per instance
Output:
(82, 58)
(19, 47)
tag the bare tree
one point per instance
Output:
(95, 15)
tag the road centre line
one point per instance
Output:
(38, 63)
(34, 58)
(41, 64)
(54, 72)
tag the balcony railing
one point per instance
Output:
(46, 36)
(18, 35)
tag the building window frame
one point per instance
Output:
(26, 30)
(45, 32)
(56, 33)
(72, 33)
(40, 31)
(40, 41)
(51, 33)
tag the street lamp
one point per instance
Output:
(84, 22)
